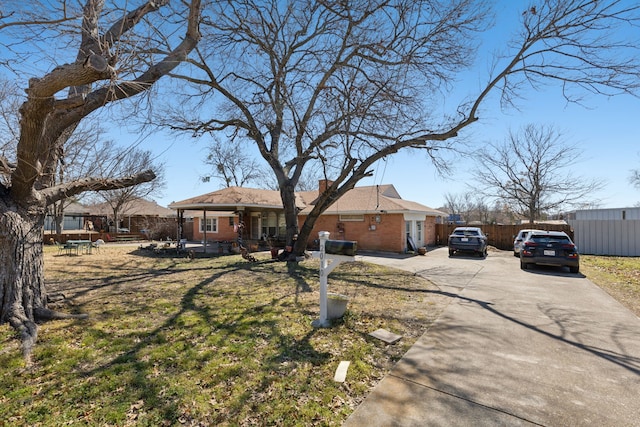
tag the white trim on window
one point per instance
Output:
(212, 225)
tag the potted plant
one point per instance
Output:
(336, 305)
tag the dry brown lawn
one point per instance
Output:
(219, 340)
(208, 341)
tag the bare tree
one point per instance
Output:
(77, 157)
(530, 171)
(237, 168)
(472, 207)
(230, 165)
(634, 179)
(80, 157)
(109, 63)
(84, 154)
(345, 84)
(458, 206)
(128, 162)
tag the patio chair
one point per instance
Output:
(97, 244)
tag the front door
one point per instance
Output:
(414, 233)
(419, 236)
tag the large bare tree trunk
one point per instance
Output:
(22, 290)
(23, 296)
(288, 196)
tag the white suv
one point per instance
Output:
(521, 237)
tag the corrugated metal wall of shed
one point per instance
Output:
(615, 238)
(608, 214)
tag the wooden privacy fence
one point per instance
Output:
(500, 236)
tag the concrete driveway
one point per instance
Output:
(536, 347)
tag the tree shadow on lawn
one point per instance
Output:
(252, 323)
(150, 356)
(173, 339)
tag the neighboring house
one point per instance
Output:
(374, 216)
(611, 231)
(74, 218)
(137, 216)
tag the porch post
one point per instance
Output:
(324, 236)
(204, 229)
(180, 222)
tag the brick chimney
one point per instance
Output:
(323, 184)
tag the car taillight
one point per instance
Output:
(527, 248)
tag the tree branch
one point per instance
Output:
(131, 88)
(59, 192)
(5, 166)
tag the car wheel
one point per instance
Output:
(451, 251)
(516, 254)
(574, 270)
(523, 265)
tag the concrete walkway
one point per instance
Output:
(536, 347)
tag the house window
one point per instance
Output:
(269, 224)
(231, 221)
(211, 225)
(352, 218)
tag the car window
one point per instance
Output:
(550, 239)
(466, 232)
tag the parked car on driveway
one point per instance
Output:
(468, 239)
(549, 248)
(520, 237)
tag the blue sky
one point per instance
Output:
(606, 129)
(608, 132)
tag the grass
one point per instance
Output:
(220, 341)
(209, 341)
(618, 276)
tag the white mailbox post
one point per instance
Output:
(327, 263)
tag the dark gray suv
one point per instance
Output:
(549, 248)
(468, 239)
